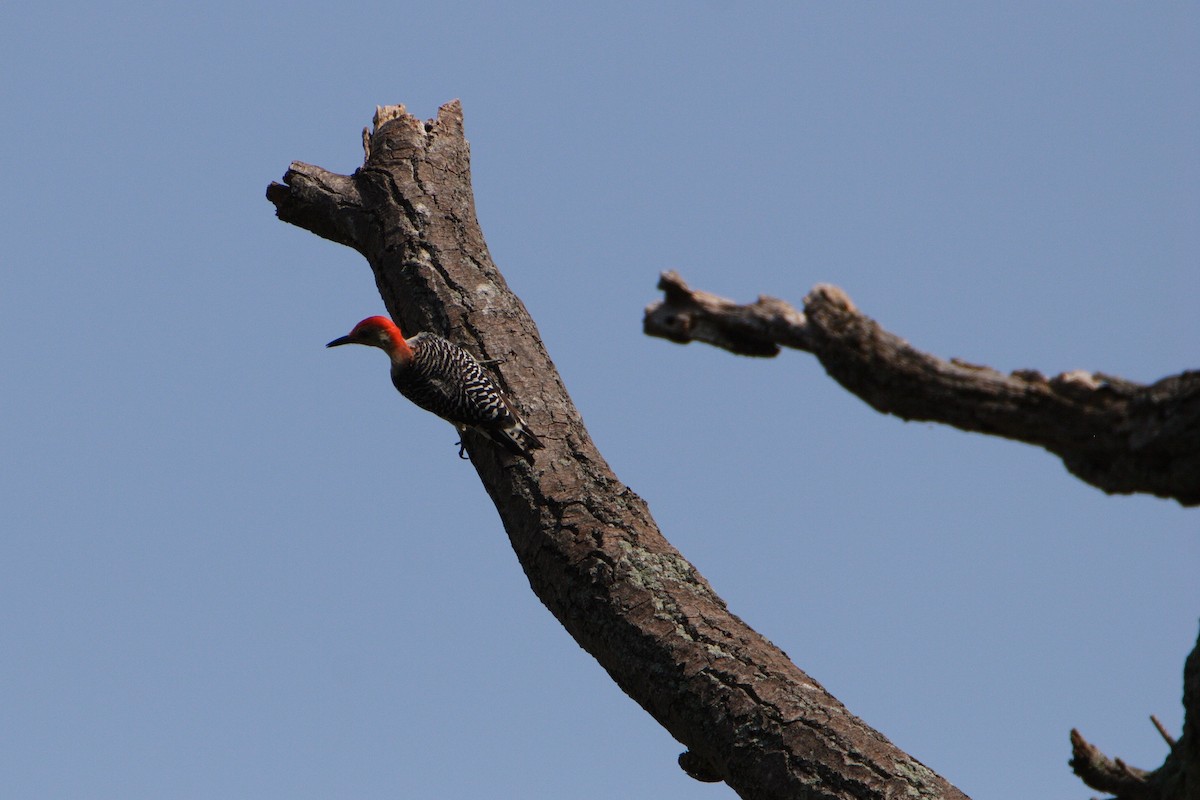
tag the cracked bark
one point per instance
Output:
(586, 542)
(1119, 436)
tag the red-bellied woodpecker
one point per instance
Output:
(441, 377)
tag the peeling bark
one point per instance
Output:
(586, 542)
(1119, 436)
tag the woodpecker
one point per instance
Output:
(441, 377)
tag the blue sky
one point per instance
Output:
(238, 565)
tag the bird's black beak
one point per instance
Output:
(342, 340)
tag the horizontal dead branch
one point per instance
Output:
(1117, 435)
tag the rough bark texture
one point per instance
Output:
(587, 543)
(1119, 436)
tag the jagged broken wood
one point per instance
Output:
(1179, 776)
(586, 542)
(1119, 436)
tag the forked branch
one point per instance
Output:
(1179, 776)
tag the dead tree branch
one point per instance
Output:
(1108, 775)
(1179, 776)
(1119, 436)
(587, 543)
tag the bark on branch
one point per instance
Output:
(1179, 776)
(1119, 436)
(587, 543)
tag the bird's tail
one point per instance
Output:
(516, 439)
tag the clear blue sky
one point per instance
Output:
(237, 565)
